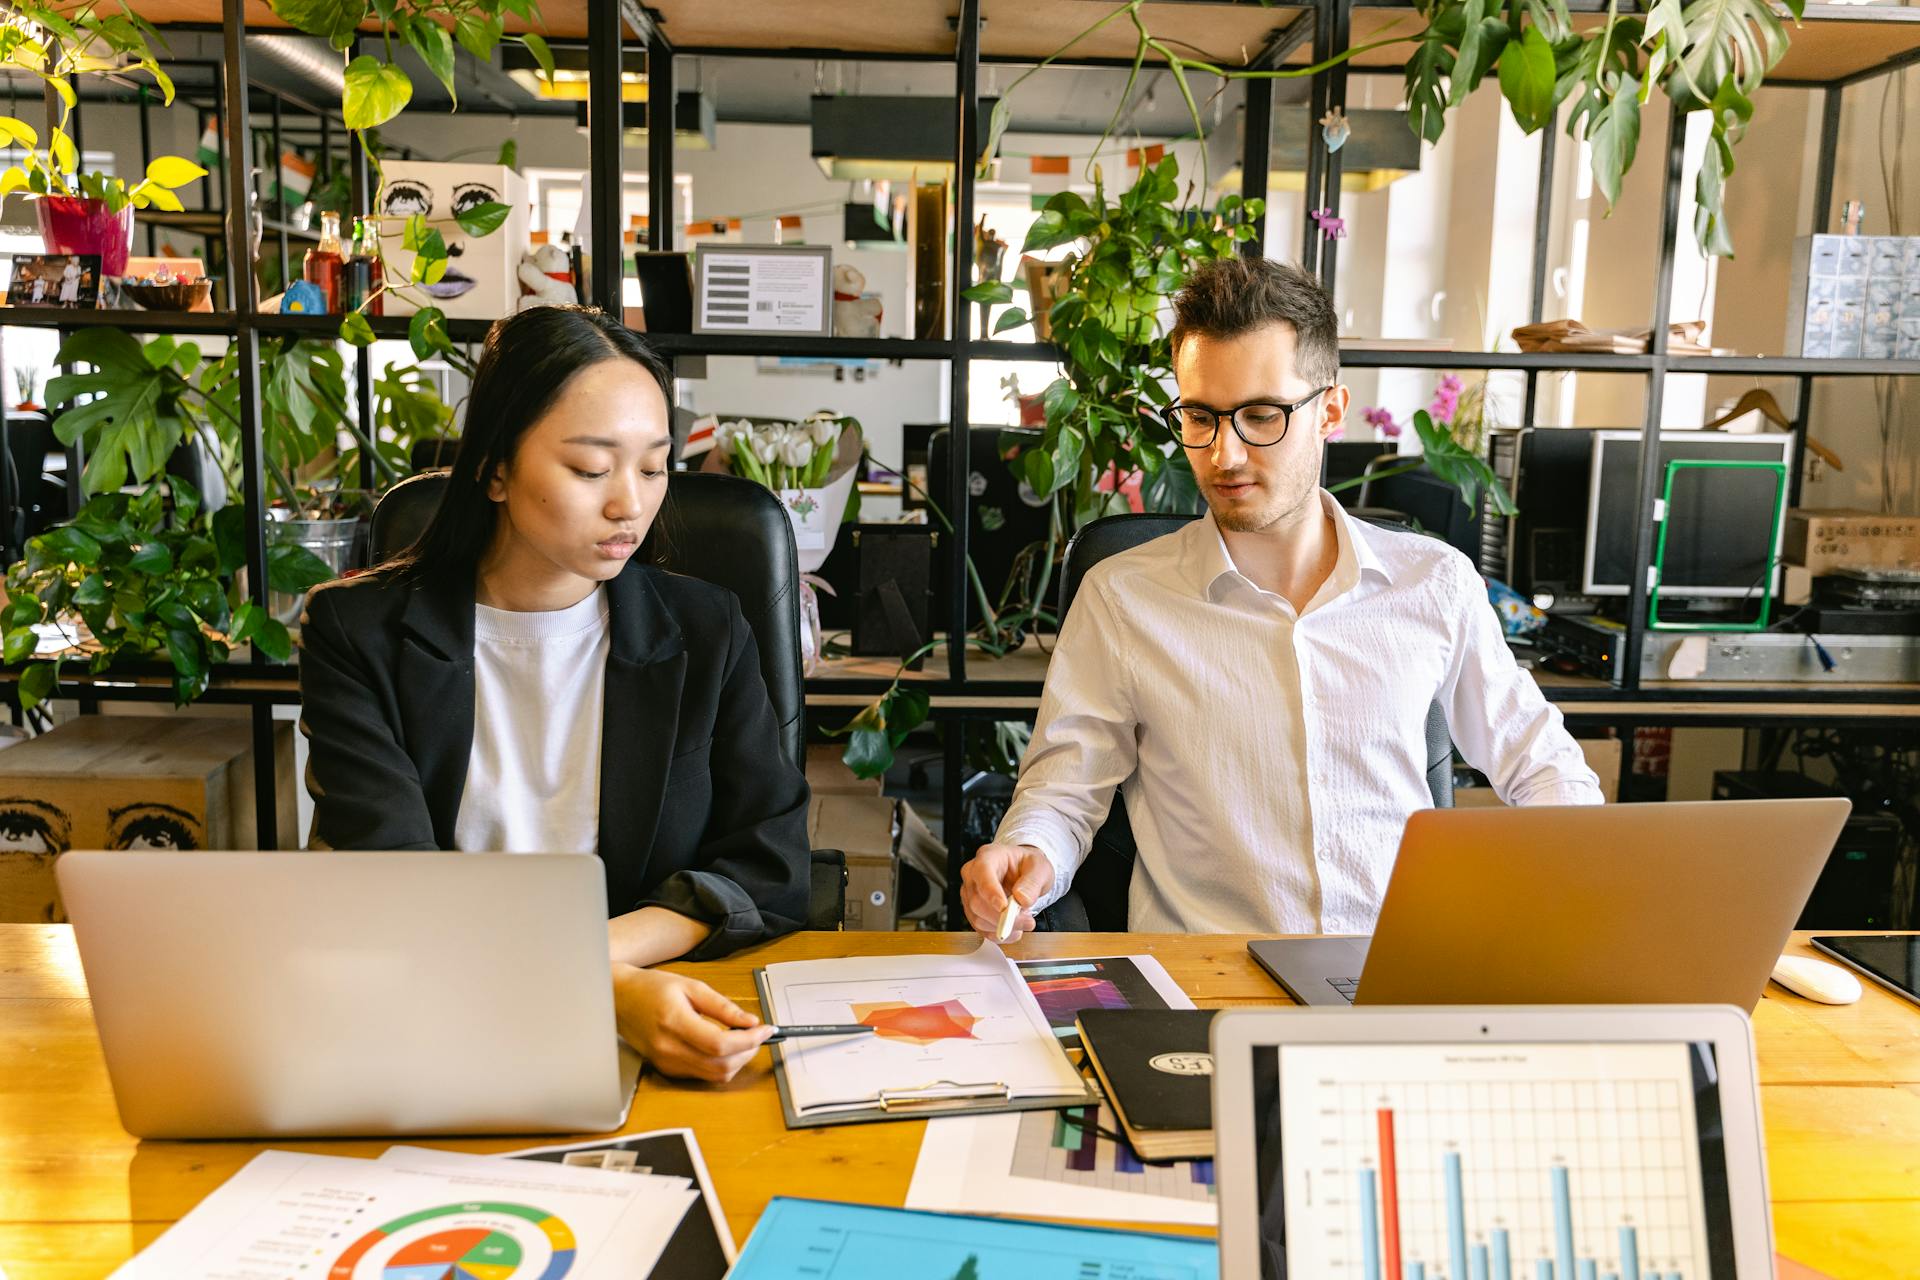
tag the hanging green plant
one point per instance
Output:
(378, 88)
(1705, 55)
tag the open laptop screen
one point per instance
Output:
(1490, 1161)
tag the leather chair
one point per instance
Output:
(1098, 899)
(30, 499)
(720, 529)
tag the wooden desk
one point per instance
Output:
(1840, 1086)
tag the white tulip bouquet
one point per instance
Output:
(810, 466)
(783, 455)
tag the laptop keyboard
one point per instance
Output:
(1346, 987)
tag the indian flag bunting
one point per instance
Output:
(296, 177)
(715, 230)
(1152, 155)
(209, 153)
(789, 228)
(1047, 176)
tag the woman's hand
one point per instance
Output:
(683, 1026)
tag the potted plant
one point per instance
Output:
(139, 402)
(82, 212)
(142, 577)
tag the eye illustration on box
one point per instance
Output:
(469, 196)
(33, 826)
(405, 197)
(152, 826)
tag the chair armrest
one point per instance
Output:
(827, 897)
(1068, 914)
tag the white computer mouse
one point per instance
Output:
(1816, 980)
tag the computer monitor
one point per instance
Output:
(1346, 460)
(1721, 533)
(1431, 503)
(1004, 517)
(1539, 551)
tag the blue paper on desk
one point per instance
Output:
(823, 1240)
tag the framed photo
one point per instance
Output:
(765, 289)
(55, 280)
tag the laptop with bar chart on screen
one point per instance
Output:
(1512, 1143)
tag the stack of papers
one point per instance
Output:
(946, 1027)
(819, 1240)
(419, 1214)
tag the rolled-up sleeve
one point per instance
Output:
(1084, 742)
(752, 872)
(1501, 722)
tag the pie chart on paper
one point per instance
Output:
(476, 1241)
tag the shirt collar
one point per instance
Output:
(1210, 565)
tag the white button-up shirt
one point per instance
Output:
(1269, 759)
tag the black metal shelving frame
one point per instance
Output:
(617, 26)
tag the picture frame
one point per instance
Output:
(69, 280)
(784, 290)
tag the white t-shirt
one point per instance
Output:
(533, 780)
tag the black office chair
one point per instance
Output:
(30, 499)
(720, 529)
(1098, 899)
(432, 452)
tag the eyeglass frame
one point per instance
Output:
(1233, 418)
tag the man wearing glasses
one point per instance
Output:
(1258, 684)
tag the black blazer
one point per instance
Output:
(700, 810)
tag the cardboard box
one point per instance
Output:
(1798, 589)
(867, 829)
(129, 782)
(481, 281)
(827, 774)
(1822, 540)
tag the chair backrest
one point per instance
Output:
(1103, 881)
(28, 439)
(718, 528)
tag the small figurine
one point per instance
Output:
(546, 277)
(1335, 129)
(854, 315)
(303, 298)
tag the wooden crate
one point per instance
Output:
(123, 782)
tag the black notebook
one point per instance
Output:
(1158, 1073)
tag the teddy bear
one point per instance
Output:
(546, 277)
(854, 316)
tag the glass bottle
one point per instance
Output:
(366, 248)
(324, 261)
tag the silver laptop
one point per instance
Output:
(316, 994)
(1517, 1141)
(1623, 903)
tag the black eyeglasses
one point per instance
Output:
(1259, 424)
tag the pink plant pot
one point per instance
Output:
(79, 224)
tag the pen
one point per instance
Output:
(795, 1030)
(1007, 917)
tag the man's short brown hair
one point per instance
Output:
(1234, 296)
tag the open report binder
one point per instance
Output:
(955, 1035)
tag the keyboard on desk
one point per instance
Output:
(1345, 986)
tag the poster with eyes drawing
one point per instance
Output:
(480, 283)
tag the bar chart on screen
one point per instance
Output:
(1493, 1162)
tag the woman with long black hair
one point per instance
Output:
(518, 681)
